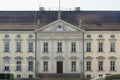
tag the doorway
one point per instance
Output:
(59, 67)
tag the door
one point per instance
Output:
(59, 67)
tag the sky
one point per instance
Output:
(54, 4)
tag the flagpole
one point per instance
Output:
(59, 13)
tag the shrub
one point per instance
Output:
(112, 77)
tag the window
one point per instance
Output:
(30, 76)
(6, 36)
(100, 47)
(18, 76)
(18, 46)
(73, 47)
(100, 75)
(45, 66)
(88, 65)
(6, 45)
(73, 66)
(113, 36)
(30, 65)
(59, 47)
(112, 65)
(30, 47)
(88, 36)
(30, 36)
(100, 65)
(45, 49)
(88, 76)
(6, 65)
(100, 36)
(18, 66)
(18, 36)
(88, 48)
(112, 47)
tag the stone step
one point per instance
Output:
(59, 75)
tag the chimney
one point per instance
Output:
(80, 23)
(77, 8)
(41, 9)
(38, 23)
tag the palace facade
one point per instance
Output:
(80, 43)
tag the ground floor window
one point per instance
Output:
(88, 76)
(73, 66)
(30, 76)
(18, 76)
(45, 66)
(6, 65)
(100, 75)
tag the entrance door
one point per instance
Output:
(59, 67)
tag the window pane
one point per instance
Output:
(18, 46)
(30, 47)
(6, 47)
(45, 47)
(18, 67)
(59, 47)
(73, 65)
(45, 66)
(73, 47)
(30, 65)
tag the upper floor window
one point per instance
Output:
(45, 66)
(73, 47)
(100, 47)
(88, 47)
(88, 36)
(6, 36)
(88, 65)
(100, 36)
(18, 36)
(45, 46)
(112, 65)
(100, 65)
(30, 76)
(73, 66)
(18, 47)
(6, 46)
(59, 47)
(30, 36)
(30, 65)
(30, 47)
(112, 36)
(18, 65)
(112, 47)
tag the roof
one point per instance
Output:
(91, 20)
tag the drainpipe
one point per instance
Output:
(83, 56)
(36, 66)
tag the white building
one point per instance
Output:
(81, 42)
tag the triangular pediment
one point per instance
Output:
(59, 26)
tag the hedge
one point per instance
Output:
(112, 77)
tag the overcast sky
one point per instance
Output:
(65, 4)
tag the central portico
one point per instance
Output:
(59, 48)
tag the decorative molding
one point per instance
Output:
(100, 57)
(59, 57)
(6, 57)
(18, 40)
(30, 57)
(19, 58)
(112, 57)
(88, 58)
(45, 57)
(73, 57)
(6, 40)
(30, 39)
